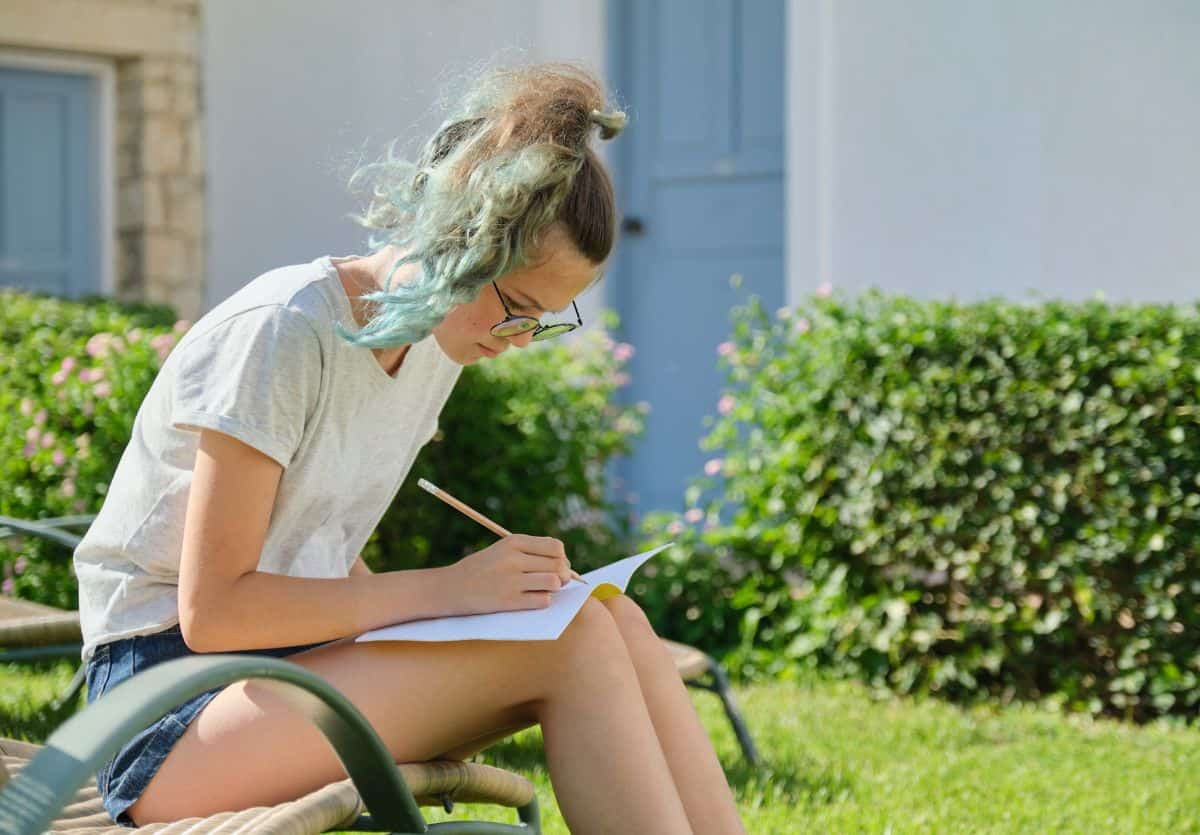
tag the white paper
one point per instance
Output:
(525, 625)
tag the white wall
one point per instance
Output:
(294, 89)
(970, 148)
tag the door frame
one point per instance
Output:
(106, 76)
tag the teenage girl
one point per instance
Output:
(276, 435)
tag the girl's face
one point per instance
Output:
(557, 274)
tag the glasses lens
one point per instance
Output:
(514, 327)
(551, 331)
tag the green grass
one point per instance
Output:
(841, 761)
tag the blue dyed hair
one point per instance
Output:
(512, 160)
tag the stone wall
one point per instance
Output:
(154, 47)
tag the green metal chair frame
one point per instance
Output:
(77, 750)
(53, 530)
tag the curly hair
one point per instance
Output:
(513, 159)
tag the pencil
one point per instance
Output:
(467, 510)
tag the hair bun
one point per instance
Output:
(610, 124)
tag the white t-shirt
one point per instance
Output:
(266, 367)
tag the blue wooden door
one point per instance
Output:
(700, 179)
(49, 171)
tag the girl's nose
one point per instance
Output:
(521, 339)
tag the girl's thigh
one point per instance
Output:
(247, 747)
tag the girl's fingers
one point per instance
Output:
(541, 581)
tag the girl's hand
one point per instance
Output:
(518, 572)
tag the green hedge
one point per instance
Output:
(526, 438)
(986, 499)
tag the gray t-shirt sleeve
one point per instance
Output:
(255, 376)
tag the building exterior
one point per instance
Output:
(936, 147)
(103, 154)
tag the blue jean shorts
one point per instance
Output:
(122, 779)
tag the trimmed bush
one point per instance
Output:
(976, 500)
(531, 436)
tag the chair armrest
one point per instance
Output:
(77, 750)
(45, 528)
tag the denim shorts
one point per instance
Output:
(122, 779)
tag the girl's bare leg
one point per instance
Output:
(694, 766)
(608, 769)
(698, 775)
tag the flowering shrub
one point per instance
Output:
(72, 374)
(972, 500)
(526, 438)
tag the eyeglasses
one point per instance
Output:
(517, 325)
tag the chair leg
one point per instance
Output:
(720, 686)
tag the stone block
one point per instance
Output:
(162, 148)
(185, 206)
(167, 257)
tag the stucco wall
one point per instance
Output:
(296, 87)
(968, 149)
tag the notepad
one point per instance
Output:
(525, 625)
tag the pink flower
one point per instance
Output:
(97, 346)
(694, 515)
(26, 406)
(32, 434)
(60, 458)
(7, 586)
(20, 565)
(620, 379)
(40, 418)
(182, 325)
(91, 375)
(68, 487)
(162, 340)
(118, 345)
(30, 450)
(725, 404)
(59, 377)
(102, 389)
(824, 290)
(68, 363)
(48, 440)
(713, 466)
(134, 335)
(623, 352)
(802, 325)
(675, 528)
(725, 349)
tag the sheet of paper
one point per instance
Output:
(526, 625)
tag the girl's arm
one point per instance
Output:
(225, 603)
(360, 567)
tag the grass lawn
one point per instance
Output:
(840, 761)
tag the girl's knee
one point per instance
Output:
(628, 615)
(593, 626)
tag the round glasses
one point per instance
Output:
(517, 325)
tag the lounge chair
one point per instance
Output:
(52, 787)
(30, 630)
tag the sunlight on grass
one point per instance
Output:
(839, 760)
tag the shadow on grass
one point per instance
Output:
(794, 781)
